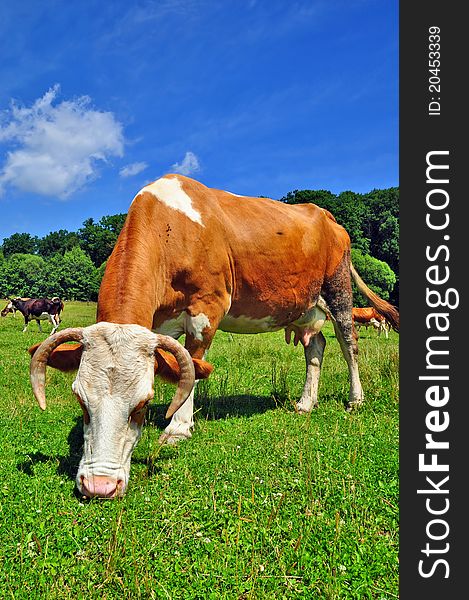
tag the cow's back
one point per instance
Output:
(181, 237)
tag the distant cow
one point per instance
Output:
(39, 309)
(364, 317)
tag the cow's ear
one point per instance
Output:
(166, 366)
(66, 357)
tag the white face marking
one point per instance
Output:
(171, 193)
(116, 373)
(244, 324)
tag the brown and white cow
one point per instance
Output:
(191, 260)
(369, 316)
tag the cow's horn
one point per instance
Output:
(37, 370)
(186, 366)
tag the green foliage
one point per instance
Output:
(98, 239)
(377, 274)
(101, 270)
(21, 275)
(320, 197)
(57, 242)
(62, 263)
(19, 243)
(72, 276)
(78, 276)
(261, 503)
(384, 225)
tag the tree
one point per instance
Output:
(19, 243)
(322, 198)
(22, 275)
(57, 242)
(98, 239)
(377, 274)
(52, 277)
(77, 276)
(384, 230)
(100, 271)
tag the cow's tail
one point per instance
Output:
(388, 311)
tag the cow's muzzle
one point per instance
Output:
(100, 486)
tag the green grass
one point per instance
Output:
(261, 503)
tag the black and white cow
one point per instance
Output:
(39, 309)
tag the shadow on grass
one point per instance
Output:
(221, 407)
(68, 465)
(208, 408)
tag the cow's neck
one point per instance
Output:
(129, 289)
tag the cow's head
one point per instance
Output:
(8, 308)
(114, 384)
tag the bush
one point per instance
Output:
(71, 277)
(377, 274)
(21, 275)
(78, 276)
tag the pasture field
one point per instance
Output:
(261, 503)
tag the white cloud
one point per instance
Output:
(55, 149)
(133, 169)
(190, 164)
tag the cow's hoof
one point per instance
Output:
(353, 405)
(173, 438)
(304, 409)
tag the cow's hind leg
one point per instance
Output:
(54, 323)
(337, 292)
(314, 351)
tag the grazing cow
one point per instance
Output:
(39, 309)
(364, 317)
(191, 260)
(382, 326)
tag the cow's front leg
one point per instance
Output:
(39, 325)
(314, 351)
(200, 325)
(181, 424)
(26, 323)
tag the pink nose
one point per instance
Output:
(100, 486)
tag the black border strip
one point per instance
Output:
(434, 531)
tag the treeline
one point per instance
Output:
(62, 263)
(71, 264)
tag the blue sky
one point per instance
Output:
(259, 97)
